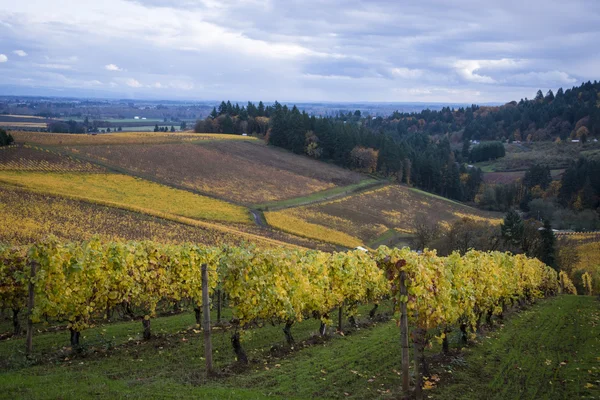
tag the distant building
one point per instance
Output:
(136, 117)
(574, 140)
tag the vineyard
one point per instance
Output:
(32, 158)
(239, 171)
(126, 192)
(84, 283)
(26, 217)
(65, 139)
(366, 216)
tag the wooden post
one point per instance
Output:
(404, 335)
(418, 342)
(340, 319)
(218, 306)
(30, 306)
(206, 322)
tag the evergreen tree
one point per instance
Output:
(512, 229)
(227, 126)
(547, 250)
(214, 113)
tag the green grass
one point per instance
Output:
(390, 238)
(440, 197)
(519, 360)
(323, 195)
(522, 360)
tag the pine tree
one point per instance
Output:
(547, 250)
(512, 228)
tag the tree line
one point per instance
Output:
(5, 138)
(414, 159)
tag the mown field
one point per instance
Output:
(238, 171)
(128, 192)
(366, 216)
(548, 351)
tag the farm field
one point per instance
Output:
(513, 176)
(130, 193)
(548, 351)
(369, 215)
(520, 157)
(23, 125)
(64, 139)
(237, 170)
(32, 158)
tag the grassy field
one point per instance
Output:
(33, 158)
(239, 171)
(127, 192)
(64, 139)
(369, 215)
(549, 351)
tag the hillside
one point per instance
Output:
(385, 213)
(240, 171)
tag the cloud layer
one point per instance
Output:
(334, 50)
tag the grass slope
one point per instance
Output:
(551, 351)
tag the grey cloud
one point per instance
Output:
(382, 50)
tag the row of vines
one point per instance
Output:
(81, 282)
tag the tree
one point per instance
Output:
(407, 170)
(227, 124)
(213, 113)
(156, 128)
(537, 175)
(172, 128)
(547, 245)
(512, 229)
(539, 97)
(425, 231)
(5, 138)
(364, 159)
(183, 126)
(465, 149)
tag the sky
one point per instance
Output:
(341, 51)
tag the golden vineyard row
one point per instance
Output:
(78, 282)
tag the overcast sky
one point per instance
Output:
(377, 50)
